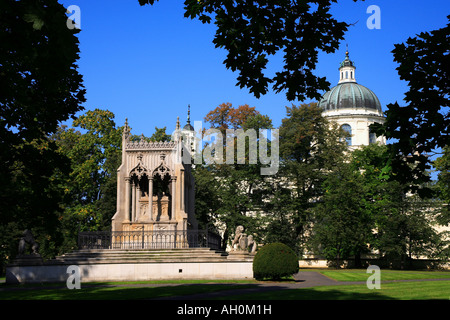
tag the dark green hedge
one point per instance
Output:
(274, 261)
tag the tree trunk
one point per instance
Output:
(358, 263)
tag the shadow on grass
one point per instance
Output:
(239, 292)
(280, 291)
(111, 292)
(337, 293)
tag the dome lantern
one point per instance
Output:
(347, 70)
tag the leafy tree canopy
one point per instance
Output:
(421, 127)
(442, 164)
(39, 81)
(39, 87)
(160, 135)
(309, 148)
(93, 146)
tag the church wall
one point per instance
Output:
(360, 126)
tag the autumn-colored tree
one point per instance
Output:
(226, 117)
(219, 118)
(240, 115)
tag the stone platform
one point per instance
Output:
(135, 265)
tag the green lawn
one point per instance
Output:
(386, 275)
(422, 290)
(426, 290)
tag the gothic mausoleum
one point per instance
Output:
(155, 193)
(155, 189)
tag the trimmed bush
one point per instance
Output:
(274, 261)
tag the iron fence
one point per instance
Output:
(161, 239)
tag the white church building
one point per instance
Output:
(353, 106)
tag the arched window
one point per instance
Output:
(372, 137)
(348, 129)
(346, 74)
(351, 74)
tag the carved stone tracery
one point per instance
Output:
(140, 170)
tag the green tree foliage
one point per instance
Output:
(309, 147)
(342, 226)
(405, 230)
(231, 190)
(278, 224)
(160, 135)
(402, 223)
(442, 164)
(421, 127)
(207, 200)
(253, 31)
(363, 208)
(40, 84)
(275, 261)
(95, 154)
(39, 87)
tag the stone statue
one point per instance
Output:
(238, 238)
(27, 238)
(243, 247)
(251, 244)
(242, 242)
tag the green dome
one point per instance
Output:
(350, 95)
(188, 127)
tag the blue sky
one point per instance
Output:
(148, 63)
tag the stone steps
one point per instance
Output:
(140, 256)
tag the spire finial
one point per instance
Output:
(346, 52)
(189, 114)
(126, 129)
(178, 123)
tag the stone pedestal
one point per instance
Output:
(240, 255)
(163, 209)
(28, 260)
